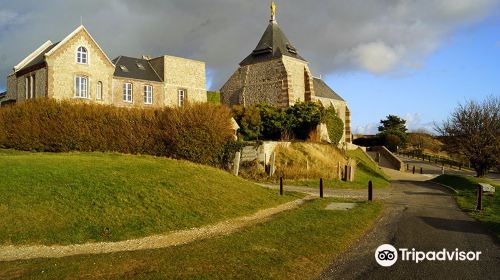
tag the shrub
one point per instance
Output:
(334, 125)
(197, 132)
(303, 118)
(250, 122)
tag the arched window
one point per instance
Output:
(98, 95)
(82, 55)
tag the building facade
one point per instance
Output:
(275, 74)
(76, 68)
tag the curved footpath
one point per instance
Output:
(11, 253)
(424, 216)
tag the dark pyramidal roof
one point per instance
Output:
(135, 68)
(321, 89)
(273, 44)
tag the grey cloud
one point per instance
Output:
(378, 36)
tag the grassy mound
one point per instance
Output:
(297, 244)
(305, 163)
(85, 197)
(467, 199)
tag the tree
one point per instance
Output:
(473, 131)
(392, 132)
(248, 118)
(303, 117)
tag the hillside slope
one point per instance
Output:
(82, 197)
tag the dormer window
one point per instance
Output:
(124, 68)
(140, 66)
(82, 55)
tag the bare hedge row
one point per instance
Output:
(197, 132)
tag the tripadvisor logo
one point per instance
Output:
(387, 255)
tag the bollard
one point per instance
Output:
(346, 174)
(370, 191)
(421, 170)
(479, 198)
(321, 187)
(407, 167)
(281, 185)
(414, 169)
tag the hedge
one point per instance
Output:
(196, 132)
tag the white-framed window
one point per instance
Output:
(82, 55)
(127, 92)
(98, 92)
(181, 93)
(81, 87)
(148, 94)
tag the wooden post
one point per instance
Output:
(414, 169)
(421, 170)
(407, 167)
(370, 191)
(479, 198)
(321, 187)
(345, 173)
(281, 185)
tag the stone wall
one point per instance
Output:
(137, 93)
(341, 109)
(296, 71)
(11, 87)
(63, 68)
(40, 84)
(232, 91)
(260, 83)
(186, 74)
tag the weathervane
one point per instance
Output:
(273, 11)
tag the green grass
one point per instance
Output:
(85, 197)
(213, 97)
(366, 171)
(298, 244)
(467, 200)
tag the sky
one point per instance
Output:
(417, 59)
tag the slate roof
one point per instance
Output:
(273, 44)
(132, 69)
(40, 59)
(321, 89)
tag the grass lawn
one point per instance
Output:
(86, 197)
(466, 199)
(366, 171)
(298, 244)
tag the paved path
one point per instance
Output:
(423, 216)
(435, 169)
(11, 253)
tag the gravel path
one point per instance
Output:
(11, 253)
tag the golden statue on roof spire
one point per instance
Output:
(273, 10)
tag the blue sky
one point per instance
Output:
(465, 67)
(414, 59)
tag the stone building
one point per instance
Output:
(275, 74)
(76, 68)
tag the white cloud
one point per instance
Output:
(369, 129)
(414, 123)
(8, 17)
(377, 57)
